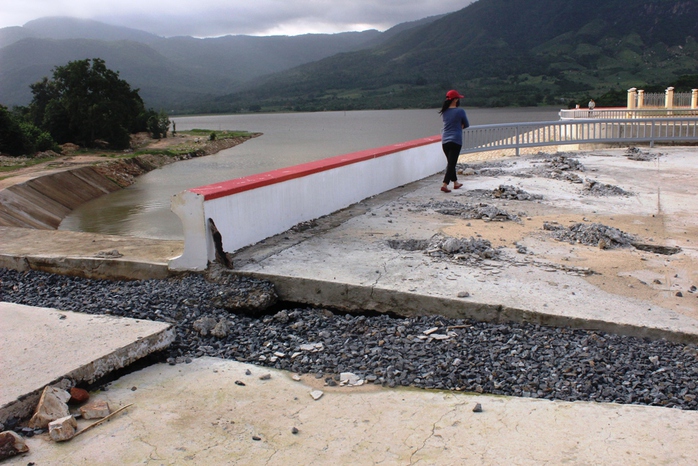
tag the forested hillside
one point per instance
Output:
(504, 52)
(174, 73)
(498, 52)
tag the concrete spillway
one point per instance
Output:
(43, 202)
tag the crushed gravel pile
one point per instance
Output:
(564, 163)
(469, 249)
(565, 176)
(462, 248)
(427, 351)
(513, 193)
(600, 189)
(634, 153)
(591, 234)
(493, 172)
(559, 167)
(482, 211)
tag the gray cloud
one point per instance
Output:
(206, 18)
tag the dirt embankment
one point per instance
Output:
(41, 195)
(125, 171)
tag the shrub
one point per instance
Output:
(18, 137)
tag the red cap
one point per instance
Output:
(453, 94)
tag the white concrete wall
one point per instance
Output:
(249, 216)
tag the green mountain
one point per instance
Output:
(500, 52)
(172, 73)
(497, 52)
(159, 79)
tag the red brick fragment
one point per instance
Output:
(78, 396)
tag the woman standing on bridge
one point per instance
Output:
(455, 121)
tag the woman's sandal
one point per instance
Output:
(457, 185)
(445, 189)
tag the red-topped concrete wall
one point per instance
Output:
(250, 209)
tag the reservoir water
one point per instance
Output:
(143, 209)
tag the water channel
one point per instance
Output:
(288, 139)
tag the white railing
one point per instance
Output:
(622, 113)
(553, 133)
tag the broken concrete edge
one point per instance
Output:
(94, 268)
(24, 406)
(358, 298)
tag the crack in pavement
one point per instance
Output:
(433, 430)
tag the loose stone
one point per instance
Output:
(78, 395)
(52, 405)
(95, 410)
(62, 429)
(11, 444)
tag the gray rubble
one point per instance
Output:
(442, 246)
(591, 234)
(513, 193)
(637, 154)
(565, 163)
(481, 211)
(601, 189)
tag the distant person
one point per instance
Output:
(455, 121)
(592, 104)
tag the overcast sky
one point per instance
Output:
(209, 18)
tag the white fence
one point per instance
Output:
(622, 113)
(553, 133)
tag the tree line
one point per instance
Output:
(85, 103)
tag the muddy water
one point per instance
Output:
(143, 209)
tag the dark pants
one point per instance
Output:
(452, 151)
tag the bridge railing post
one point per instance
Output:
(632, 98)
(669, 101)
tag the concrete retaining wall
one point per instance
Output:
(247, 210)
(43, 202)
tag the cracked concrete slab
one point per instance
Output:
(86, 254)
(625, 290)
(196, 413)
(40, 346)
